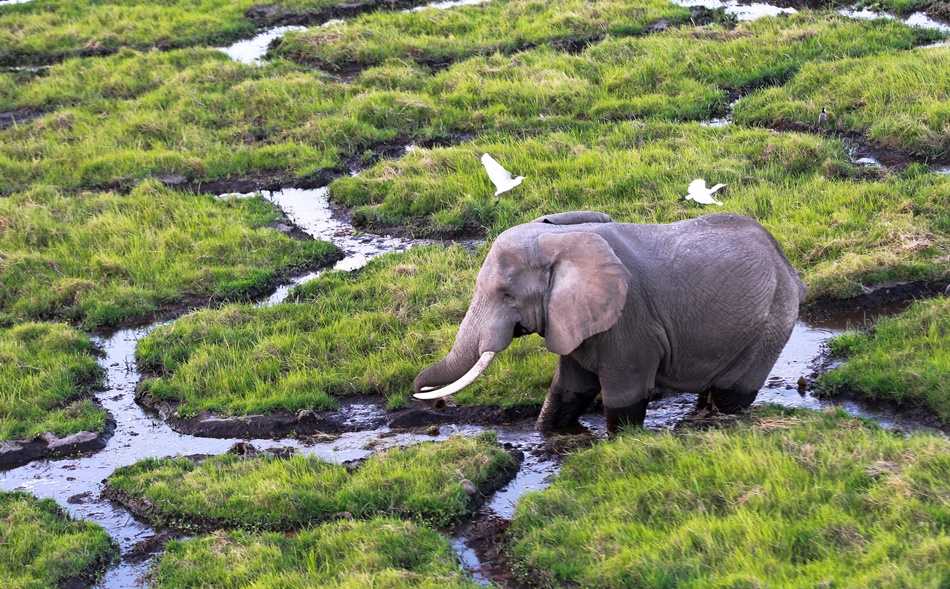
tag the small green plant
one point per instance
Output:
(425, 482)
(784, 498)
(905, 358)
(46, 373)
(380, 552)
(41, 547)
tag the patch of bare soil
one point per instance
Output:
(249, 183)
(487, 536)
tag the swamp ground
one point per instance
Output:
(124, 128)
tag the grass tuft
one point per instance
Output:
(41, 547)
(46, 372)
(97, 259)
(422, 482)
(905, 358)
(381, 552)
(786, 498)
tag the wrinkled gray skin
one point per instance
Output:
(704, 305)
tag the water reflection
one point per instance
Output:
(250, 51)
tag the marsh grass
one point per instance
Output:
(368, 332)
(46, 372)
(42, 31)
(905, 358)
(41, 547)
(898, 100)
(422, 482)
(441, 36)
(785, 498)
(96, 259)
(839, 229)
(112, 121)
(380, 552)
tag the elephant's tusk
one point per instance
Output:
(467, 379)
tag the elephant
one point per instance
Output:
(703, 305)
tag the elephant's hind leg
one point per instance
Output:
(572, 391)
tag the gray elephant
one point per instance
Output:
(704, 305)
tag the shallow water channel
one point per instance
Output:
(76, 483)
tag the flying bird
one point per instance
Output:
(701, 194)
(499, 176)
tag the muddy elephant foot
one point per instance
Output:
(560, 413)
(632, 415)
(728, 400)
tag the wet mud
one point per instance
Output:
(49, 446)
(18, 117)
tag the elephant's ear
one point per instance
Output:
(588, 288)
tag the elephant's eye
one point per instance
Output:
(507, 296)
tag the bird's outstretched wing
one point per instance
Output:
(698, 192)
(499, 176)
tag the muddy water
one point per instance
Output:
(76, 483)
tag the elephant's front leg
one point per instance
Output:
(625, 400)
(572, 391)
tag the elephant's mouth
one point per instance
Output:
(521, 330)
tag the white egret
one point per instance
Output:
(499, 176)
(701, 194)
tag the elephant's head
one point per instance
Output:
(551, 277)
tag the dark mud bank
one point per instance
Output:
(882, 298)
(19, 452)
(863, 148)
(357, 413)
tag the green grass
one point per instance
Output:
(43, 548)
(840, 230)
(783, 499)
(96, 259)
(378, 553)
(45, 30)
(367, 332)
(422, 482)
(899, 100)
(440, 36)
(46, 371)
(112, 121)
(905, 358)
